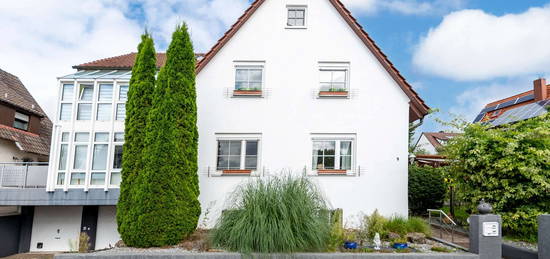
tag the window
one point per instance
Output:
(248, 78)
(237, 155)
(103, 112)
(98, 179)
(63, 158)
(78, 178)
(105, 92)
(333, 80)
(84, 110)
(296, 16)
(120, 111)
(86, 93)
(66, 112)
(67, 94)
(99, 161)
(121, 104)
(80, 150)
(332, 155)
(21, 121)
(118, 140)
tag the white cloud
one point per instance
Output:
(406, 7)
(474, 45)
(42, 40)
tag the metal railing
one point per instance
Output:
(23, 174)
(443, 221)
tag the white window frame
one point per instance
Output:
(67, 102)
(68, 168)
(92, 170)
(120, 101)
(243, 138)
(300, 8)
(85, 170)
(90, 102)
(104, 102)
(337, 138)
(111, 160)
(335, 66)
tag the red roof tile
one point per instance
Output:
(435, 138)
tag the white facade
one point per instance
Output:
(107, 234)
(56, 228)
(286, 120)
(424, 144)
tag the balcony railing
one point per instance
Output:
(23, 175)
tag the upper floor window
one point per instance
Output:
(21, 121)
(121, 104)
(68, 91)
(67, 97)
(332, 156)
(84, 110)
(86, 93)
(333, 79)
(249, 78)
(237, 155)
(296, 17)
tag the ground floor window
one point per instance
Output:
(237, 154)
(332, 154)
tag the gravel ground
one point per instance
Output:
(168, 250)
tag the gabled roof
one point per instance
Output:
(437, 139)
(418, 109)
(14, 93)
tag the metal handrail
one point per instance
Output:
(443, 223)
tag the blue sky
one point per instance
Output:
(458, 54)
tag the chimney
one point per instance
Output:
(541, 90)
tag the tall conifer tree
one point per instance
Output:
(168, 205)
(138, 105)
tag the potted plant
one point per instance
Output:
(400, 243)
(248, 91)
(350, 238)
(334, 92)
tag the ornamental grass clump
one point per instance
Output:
(275, 215)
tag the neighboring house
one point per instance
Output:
(294, 86)
(25, 130)
(430, 143)
(428, 146)
(519, 107)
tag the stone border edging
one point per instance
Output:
(293, 256)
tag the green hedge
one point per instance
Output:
(426, 189)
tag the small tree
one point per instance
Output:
(140, 95)
(168, 188)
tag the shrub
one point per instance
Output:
(426, 189)
(398, 225)
(275, 215)
(375, 224)
(509, 167)
(419, 225)
(336, 238)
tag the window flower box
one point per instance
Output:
(236, 172)
(247, 92)
(334, 93)
(331, 172)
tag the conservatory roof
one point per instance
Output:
(99, 74)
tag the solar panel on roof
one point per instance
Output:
(526, 98)
(522, 113)
(507, 104)
(479, 117)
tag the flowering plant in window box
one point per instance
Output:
(248, 91)
(332, 171)
(237, 171)
(334, 92)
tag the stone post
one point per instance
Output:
(486, 233)
(544, 236)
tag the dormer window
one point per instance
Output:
(296, 17)
(21, 121)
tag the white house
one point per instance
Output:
(294, 86)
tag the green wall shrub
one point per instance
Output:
(426, 189)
